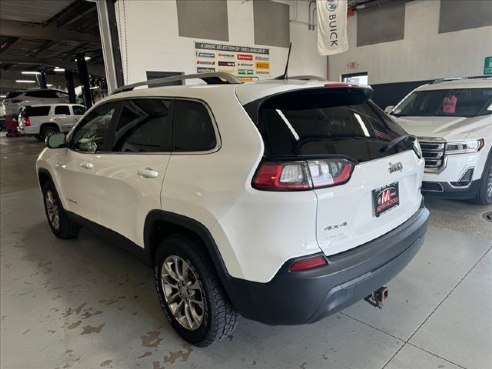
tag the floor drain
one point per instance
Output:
(488, 216)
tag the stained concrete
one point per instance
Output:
(85, 303)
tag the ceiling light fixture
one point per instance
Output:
(86, 58)
(49, 85)
(24, 81)
(31, 73)
(57, 69)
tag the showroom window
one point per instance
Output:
(144, 125)
(90, 134)
(62, 110)
(193, 128)
(356, 78)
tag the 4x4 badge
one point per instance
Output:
(398, 167)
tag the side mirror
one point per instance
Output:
(388, 109)
(56, 141)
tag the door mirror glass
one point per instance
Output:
(388, 109)
(56, 141)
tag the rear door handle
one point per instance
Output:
(148, 173)
(87, 165)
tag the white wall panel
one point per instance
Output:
(423, 53)
(150, 40)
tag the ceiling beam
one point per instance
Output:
(81, 15)
(67, 14)
(45, 46)
(95, 69)
(37, 32)
(10, 42)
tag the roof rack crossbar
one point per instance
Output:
(215, 78)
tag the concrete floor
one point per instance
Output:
(87, 304)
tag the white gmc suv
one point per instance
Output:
(45, 120)
(453, 122)
(283, 201)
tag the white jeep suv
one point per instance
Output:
(283, 201)
(453, 121)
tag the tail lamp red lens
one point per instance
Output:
(308, 263)
(302, 175)
(27, 121)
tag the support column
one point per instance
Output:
(110, 44)
(84, 79)
(70, 86)
(42, 80)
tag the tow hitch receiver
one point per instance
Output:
(378, 297)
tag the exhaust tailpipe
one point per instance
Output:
(378, 297)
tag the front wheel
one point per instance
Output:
(60, 223)
(484, 196)
(190, 293)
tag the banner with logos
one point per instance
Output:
(247, 63)
(332, 26)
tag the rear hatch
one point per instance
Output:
(11, 103)
(365, 171)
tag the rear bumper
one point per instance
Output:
(308, 296)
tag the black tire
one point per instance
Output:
(219, 318)
(484, 196)
(39, 138)
(48, 130)
(63, 228)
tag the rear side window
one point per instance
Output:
(193, 127)
(78, 110)
(11, 95)
(327, 121)
(43, 94)
(62, 110)
(37, 111)
(144, 125)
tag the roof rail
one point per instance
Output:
(440, 80)
(215, 78)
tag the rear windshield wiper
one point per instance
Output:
(395, 142)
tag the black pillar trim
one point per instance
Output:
(115, 42)
(84, 79)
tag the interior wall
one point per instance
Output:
(150, 41)
(423, 54)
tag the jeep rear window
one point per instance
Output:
(324, 122)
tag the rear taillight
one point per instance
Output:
(27, 121)
(302, 175)
(308, 263)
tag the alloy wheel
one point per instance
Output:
(52, 209)
(183, 292)
(489, 184)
